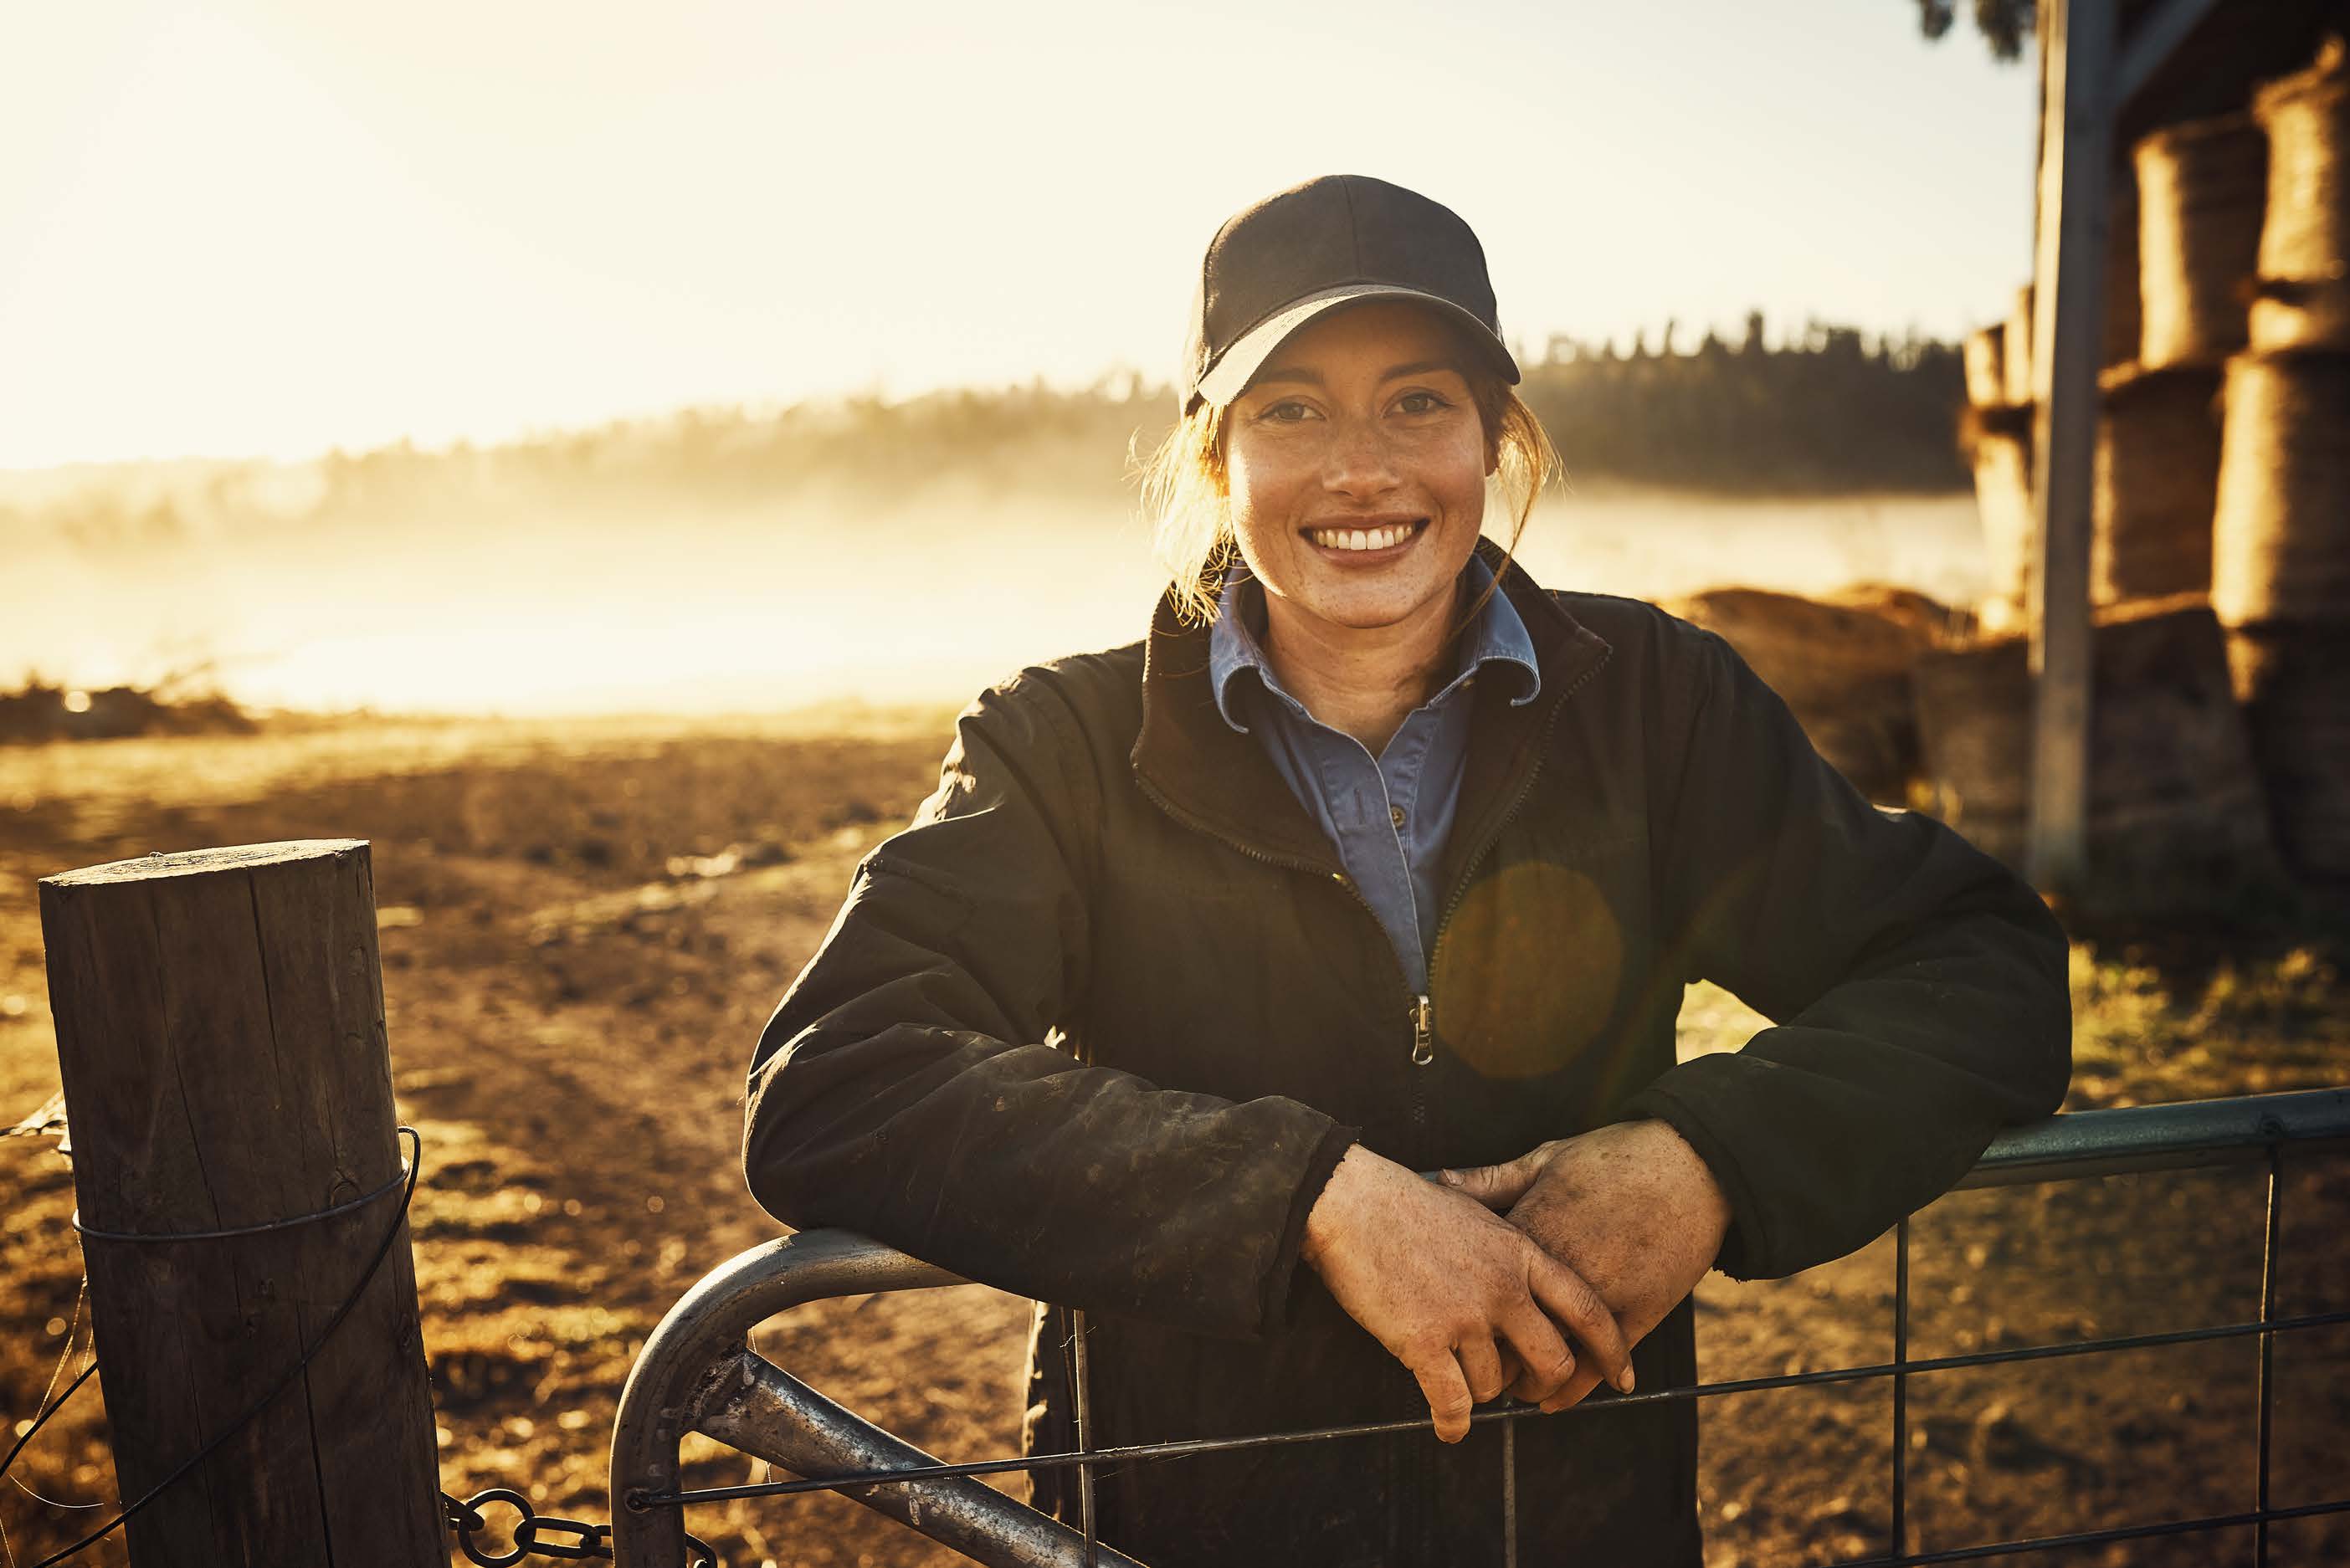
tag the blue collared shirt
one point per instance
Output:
(1387, 815)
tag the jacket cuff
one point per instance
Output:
(1746, 1248)
(1279, 1302)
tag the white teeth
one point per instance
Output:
(1362, 538)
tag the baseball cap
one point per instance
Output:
(1330, 242)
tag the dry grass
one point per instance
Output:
(586, 923)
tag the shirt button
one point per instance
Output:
(1395, 815)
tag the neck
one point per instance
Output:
(1361, 680)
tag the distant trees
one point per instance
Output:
(1830, 409)
(1827, 410)
(2004, 24)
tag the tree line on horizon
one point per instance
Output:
(1826, 410)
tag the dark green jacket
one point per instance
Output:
(1096, 1028)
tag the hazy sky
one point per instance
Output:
(274, 229)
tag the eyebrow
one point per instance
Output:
(1392, 373)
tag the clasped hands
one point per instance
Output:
(1532, 1277)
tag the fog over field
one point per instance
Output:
(477, 603)
(736, 559)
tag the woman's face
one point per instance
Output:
(1357, 464)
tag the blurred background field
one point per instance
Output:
(584, 922)
(730, 560)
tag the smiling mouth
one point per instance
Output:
(1384, 537)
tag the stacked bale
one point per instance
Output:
(1842, 665)
(2303, 299)
(1985, 358)
(1996, 439)
(2280, 547)
(2176, 815)
(2017, 338)
(2125, 317)
(2202, 192)
(1996, 436)
(2196, 206)
(2158, 473)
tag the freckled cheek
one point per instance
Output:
(1454, 474)
(1263, 496)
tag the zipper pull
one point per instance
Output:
(1423, 1032)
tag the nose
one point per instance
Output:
(1360, 459)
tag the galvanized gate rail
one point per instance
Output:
(697, 1373)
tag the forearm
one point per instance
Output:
(1919, 987)
(1878, 1097)
(1017, 1166)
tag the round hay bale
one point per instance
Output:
(2002, 465)
(2125, 322)
(2016, 355)
(2297, 711)
(2297, 315)
(2157, 478)
(2176, 811)
(2201, 190)
(2303, 300)
(1974, 739)
(2281, 529)
(1844, 669)
(1986, 363)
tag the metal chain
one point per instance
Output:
(573, 1539)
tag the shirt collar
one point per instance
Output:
(1498, 635)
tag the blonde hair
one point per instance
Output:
(1186, 496)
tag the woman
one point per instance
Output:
(1376, 859)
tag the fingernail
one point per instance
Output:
(1449, 1177)
(1624, 1384)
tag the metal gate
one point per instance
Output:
(697, 1373)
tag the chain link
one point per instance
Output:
(531, 1530)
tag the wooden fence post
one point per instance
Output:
(221, 1037)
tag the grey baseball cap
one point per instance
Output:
(1331, 242)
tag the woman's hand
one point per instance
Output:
(1631, 1208)
(1441, 1281)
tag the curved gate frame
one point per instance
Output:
(698, 1372)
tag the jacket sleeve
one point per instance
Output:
(1917, 987)
(914, 1085)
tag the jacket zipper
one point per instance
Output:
(1419, 1010)
(1422, 1009)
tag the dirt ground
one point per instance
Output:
(584, 925)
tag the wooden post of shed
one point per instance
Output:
(2076, 134)
(221, 1036)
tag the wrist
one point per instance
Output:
(1327, 1218)
(1705, 1191)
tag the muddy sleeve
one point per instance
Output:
(914, 1085)
(1917, 987)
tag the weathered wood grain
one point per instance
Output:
(220, 1039)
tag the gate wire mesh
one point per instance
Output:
(2069, 1148)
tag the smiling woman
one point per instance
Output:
(1376, 859)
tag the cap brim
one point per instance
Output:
(1241, 361)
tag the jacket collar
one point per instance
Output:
(1497, 636)
(1221, 780)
